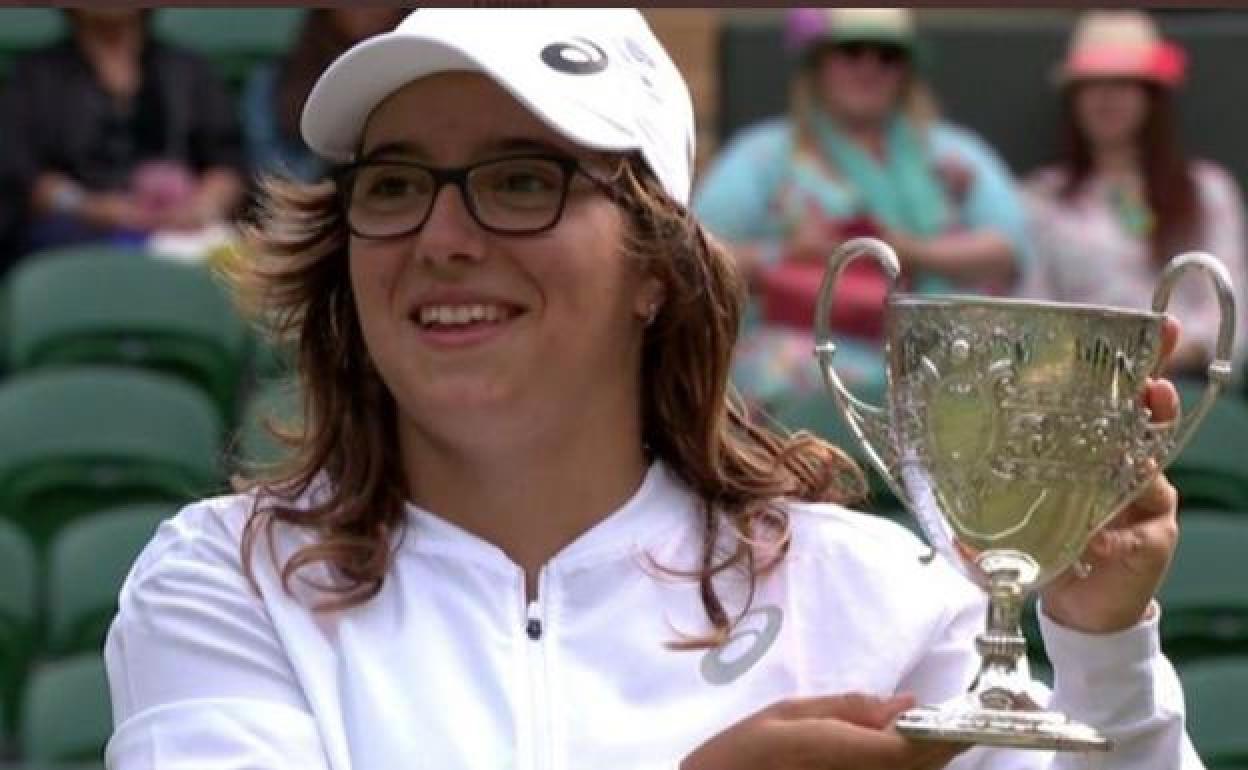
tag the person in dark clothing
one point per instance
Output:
(109, 135)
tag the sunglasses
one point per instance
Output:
(885, 53)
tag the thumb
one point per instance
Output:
(860, 709)
(882, 712)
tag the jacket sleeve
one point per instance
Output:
(1120, 684)
(197, 673)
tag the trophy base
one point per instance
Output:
(1042, 730)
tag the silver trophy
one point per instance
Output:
(1013, 432)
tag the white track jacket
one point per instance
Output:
(450, 667)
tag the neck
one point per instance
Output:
(867, 133)
(534, 497)
(1115, 160)
(869, 137)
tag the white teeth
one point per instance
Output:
(447, 315)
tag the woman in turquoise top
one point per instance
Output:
(861, 152)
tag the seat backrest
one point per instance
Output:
(23, 29)
(1211, 472)
(116, 434)
(66, 715)
(19, 607)
(105, 304)
(1214, 690)
(1204, 597)
(233, 39)
(18, 574)
(87, 563)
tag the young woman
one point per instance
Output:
(525, 525)
(1124, 198)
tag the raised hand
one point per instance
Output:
(1129, 557)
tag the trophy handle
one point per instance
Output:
(869, 423)
(1220, 370)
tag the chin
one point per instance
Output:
(459, 398)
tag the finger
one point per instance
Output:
(1159, 498)
(827, 743)
(870, 711)
(1171, 329)
(1162, 399)
(1149, 524)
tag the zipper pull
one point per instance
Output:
(534, 625)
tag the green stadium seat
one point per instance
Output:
(272, 400)
(23, 29)
(106, 305)
(80, 439)
(1211, 472)
(1214, 690)
(233, 39)
(87, 563)
(1205, 596)
(66, 716)
(18, 615)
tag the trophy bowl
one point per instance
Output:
(1013, 431)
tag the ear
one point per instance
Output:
(650, 296)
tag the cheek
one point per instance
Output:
(836, 81)
(1090, 111)
(587, 279)
(1137, 109)
(374, 271)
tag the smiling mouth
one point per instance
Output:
(449, 317)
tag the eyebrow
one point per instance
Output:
(504, 145)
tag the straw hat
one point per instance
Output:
(1121, 43)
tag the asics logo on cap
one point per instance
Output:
(576, 57)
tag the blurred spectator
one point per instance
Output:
(861, 152)
(110, 135)
(274, 94)
(1124, 199)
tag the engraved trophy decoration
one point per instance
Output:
(1013, 431)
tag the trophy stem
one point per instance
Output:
(1004, 675)
(999, 710)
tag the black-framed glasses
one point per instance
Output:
(515, 195)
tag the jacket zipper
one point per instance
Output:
(535, 631)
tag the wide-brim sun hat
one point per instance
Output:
(598, 77)
(1121, 44)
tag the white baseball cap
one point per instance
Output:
(597, 76)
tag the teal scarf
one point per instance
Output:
(903, 192)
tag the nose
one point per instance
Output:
(450, 234)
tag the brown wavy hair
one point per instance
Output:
(295, 279)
